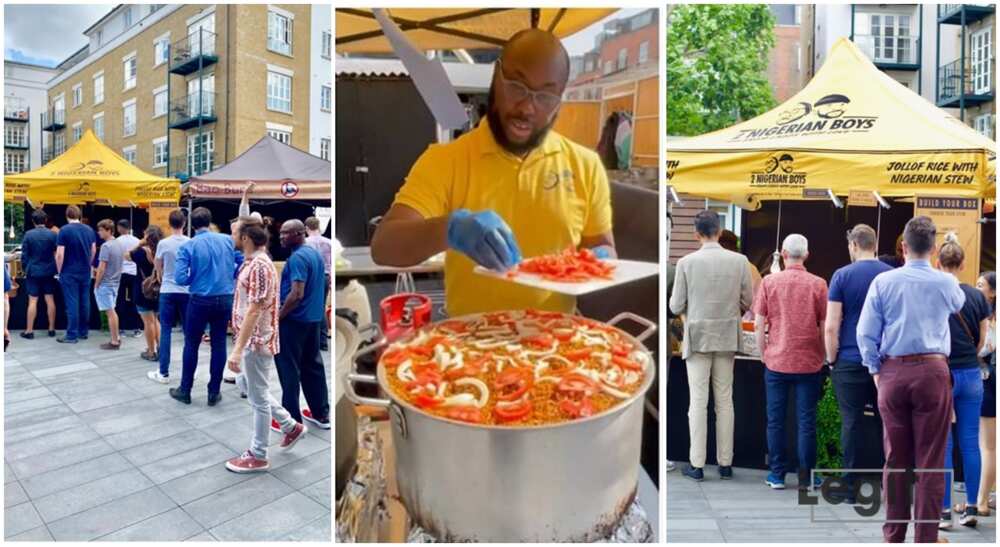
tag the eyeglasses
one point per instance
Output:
(517, 92)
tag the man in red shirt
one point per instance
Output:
(791, 308)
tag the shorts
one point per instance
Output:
(106, 296)
(38, 286)
(141, 309)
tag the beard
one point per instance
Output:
(496, 127)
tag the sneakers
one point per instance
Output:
(293, 437)
(726, 472)
(155, 376)
(275, 426)
(694, 473)
(52, 334)
(968, 518)
(28, 335)
(774, 481)
(247, 463)
(671, 466)
(945, 523)
(150, 356)
(182, 396)
(320, 423)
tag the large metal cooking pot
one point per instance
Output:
(570, 481)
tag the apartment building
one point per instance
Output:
(23, 96)
(966, 80)
(625, 44)
(321, 82)
(789, 66)
(179, 90)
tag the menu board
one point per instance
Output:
(959, 215)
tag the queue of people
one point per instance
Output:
(212, 282)
(905, 337)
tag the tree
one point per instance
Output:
(717, 57)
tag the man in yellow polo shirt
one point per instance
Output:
(511, 188)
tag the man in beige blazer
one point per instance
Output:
(712, 289)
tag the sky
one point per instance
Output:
(48, 34)
(583, 41)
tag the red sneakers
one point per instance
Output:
(247, 463)
(275, 426)
(293, 437)
(322, 424)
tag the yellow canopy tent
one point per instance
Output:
(456, 28)
(851, 128)
(90, 172)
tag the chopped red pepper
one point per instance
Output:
(464, 413)
(568, 266)
(394, 358)
(579, 354)
(514, 412)
(620, 350)
(577, 409)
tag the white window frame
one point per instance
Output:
(209, 149)
(77, 132)
(15, 134)
(162, 90)
(10, 166)
(983, 125)
(125, 127)
(161, 47)
(643, 52)
(274, 102)
(982, 56)
(127, 17)
(98, 99)
(157, 143)
(609, 67)
(77, 94)
(324, 149)
(621, 62)
(99, 135)
(280, 31)
(130, 150)
(326, 46)
(883, 53)
(130, 63)
(279, 131)
(59, 143)
(326, 98)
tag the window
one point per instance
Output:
(129, 70)
(283, 136)
(891, 41)
(984, 125)
(609, 67)
(160, 47)
(15, 134)
(14, 162)
(982, 71)
(327, 40)
(159, 101)
(77, 95)
(325, 98)
(59, 142)
(201, 36)
(200, 150)
(279, 92)
(641, 20)
(99, 87)
(77, 131)
(99, 126)
(160, 152)
(100, 37)
(127, 16)
(622, 59)
(279, 33)
(588, 65)
(128, 118)
(644, 52)
(324, 149)
(129, 154)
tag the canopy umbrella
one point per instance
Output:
(90, 172)
(456, 28)
(279, 172)
(851, 128)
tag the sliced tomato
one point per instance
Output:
(579, 354)
(563, 335)
(394, 358)
(425, 377)
(541, 340)
(626, 363)
(421, 351)
(577, 409)
(512, 383)
(465, 413)
(576, 383)
(471, 368)
(427, 401)
(620, 350)
(514, 412)
(454, 326)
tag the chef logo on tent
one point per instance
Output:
(779, 171)
(289, 189)
(803, 118)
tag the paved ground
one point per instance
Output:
(95, 450)
(746, 510)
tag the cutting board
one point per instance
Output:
(626, 271)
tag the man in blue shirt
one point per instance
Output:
(904, 340)
(38, 256)
(207, 266)
(7, 286)
(303, 281)
(76, 248)
(853, 385)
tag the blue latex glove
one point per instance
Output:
(602, 252)
(484, 237)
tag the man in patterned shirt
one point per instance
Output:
(255, 322)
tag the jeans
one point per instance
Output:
(173, 306)
(967, 398)
(855, 390)
(807, 389)
(213, 311)
(299, 362)
(76, 293)
(253, 381)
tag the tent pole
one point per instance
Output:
(878, 227)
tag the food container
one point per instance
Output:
(565, 482)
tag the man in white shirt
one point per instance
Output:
(128, 242)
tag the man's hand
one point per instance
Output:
(233, 362)
(875, 379)
(484, 237)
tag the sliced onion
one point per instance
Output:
(543, 353)
(484, 392)
(590, 373)
(631, 377)
(512, 403)
(541, 379)
(513, 348)
(460, 399)
(489, 344)
(614, 392)
(405, 371)
(442, 389)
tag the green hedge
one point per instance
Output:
(828, 452)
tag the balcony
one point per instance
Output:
(191, 110)
(904, 56)
(185, 166)
(193, 53)
(951, 14)
(956, 88)
(53, 119)
(15, 111)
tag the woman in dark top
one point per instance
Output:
(968, 330)
(144, 257)
(987, 284)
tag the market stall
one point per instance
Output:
(853, 146)
(106, 186)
